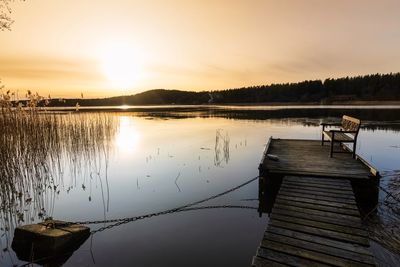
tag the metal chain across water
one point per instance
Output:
(390, 194)
(185, 207)
(163, 213)
(144, 217)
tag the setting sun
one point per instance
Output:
(120, 66)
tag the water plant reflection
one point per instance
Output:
(221, 147)
(35, 150)
(385, 222)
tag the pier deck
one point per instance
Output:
(308, 157)
(314, 203)
(314, 222)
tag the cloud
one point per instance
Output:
(47, 69)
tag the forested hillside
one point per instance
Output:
(377, 87)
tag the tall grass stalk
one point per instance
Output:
(221, 147)
(36, 147)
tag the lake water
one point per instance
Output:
(160, 158)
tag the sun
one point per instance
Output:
(120, 66)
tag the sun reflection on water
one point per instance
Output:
(127, 139)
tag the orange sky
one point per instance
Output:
(104, 48)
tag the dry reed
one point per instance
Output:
(38, 148)
(221, 148)
(384, 225)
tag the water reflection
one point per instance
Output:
(151, 162)
(221, 147)
(37, 151)
(385, 221)
(372, 118)
(127, 139)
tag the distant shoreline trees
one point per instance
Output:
(381, 87)
(375, 87)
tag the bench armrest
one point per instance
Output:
(330, 124)
(341, 131)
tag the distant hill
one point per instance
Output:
(376, 87)
(151, 97)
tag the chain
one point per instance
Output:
(120, 222)
(186, 207)
(389, 194)
(170, 212)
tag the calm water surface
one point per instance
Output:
(160, 160)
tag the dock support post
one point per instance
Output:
(366, 193)
(269, 185)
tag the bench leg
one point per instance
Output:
(332, 142)
(354, 150)
(322, 140)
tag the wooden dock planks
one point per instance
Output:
(314, 222)
(309, 158)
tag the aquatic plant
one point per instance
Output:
(37, 145)
(221, 147)
(384, 224)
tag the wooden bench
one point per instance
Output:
(347, 133)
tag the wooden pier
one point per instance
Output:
(314, 202)
(309, 157)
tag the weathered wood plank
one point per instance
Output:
(331, 255)
(262, 262)
(318, 218)
(308, 254)
(343, 217)
(320, 240)
(332, 219)
(320, 180)
(316, 173)
(321, 232)
(321, 225)
(318, 202)
(313, 189)
(318, 207)
(318, 193)
(284, 258)
(324, 186)
(305, 194)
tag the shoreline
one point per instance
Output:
(389, 104)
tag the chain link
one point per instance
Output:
(170, 212)
(186, 207)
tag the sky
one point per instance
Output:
(104, 48)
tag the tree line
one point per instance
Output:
(376, 87)
(369, 87)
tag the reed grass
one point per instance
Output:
(221, 148)
(39, 149)
(384, 226)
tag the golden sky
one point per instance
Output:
(104, 48)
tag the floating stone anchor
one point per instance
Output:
(51, 241)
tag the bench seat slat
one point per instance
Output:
(341, 137)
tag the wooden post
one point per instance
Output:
(366, 193)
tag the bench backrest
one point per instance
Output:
(351, 124)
